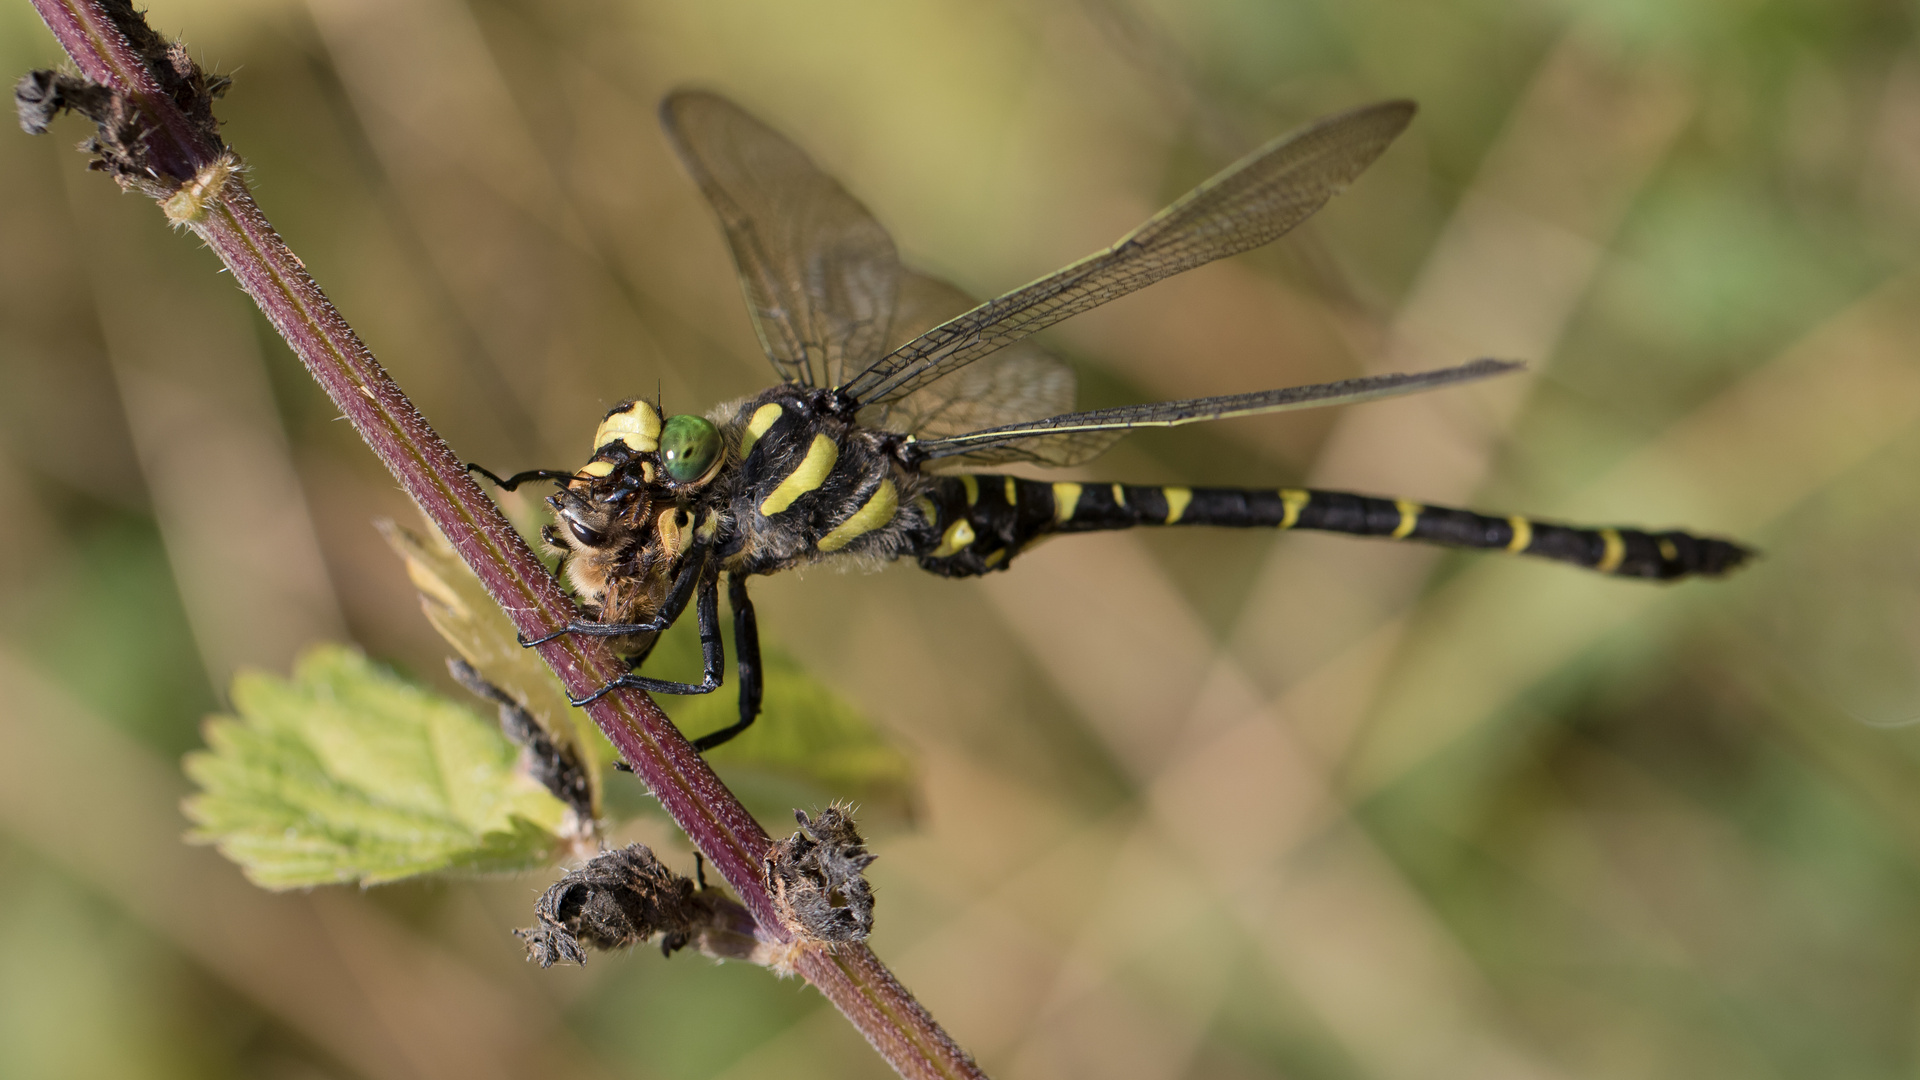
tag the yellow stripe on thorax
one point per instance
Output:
(1177, 500)
(972, 484)
(1065, 498)
(1292, 501)
(1409, 517)
(1522, 534)
(1616, 551)
(763, 418)
(875, 512)
(811, 473)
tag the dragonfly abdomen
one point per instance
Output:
(984, 520)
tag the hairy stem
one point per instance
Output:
(182, 157)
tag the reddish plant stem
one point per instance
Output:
(232, 224)
(237, 231)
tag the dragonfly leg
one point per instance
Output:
(746, 647)
(707, 610)
(519, 478)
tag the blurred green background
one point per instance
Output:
(1195, 805)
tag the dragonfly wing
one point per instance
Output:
(1251, 203)
(1020, 383)
(819, 273)
(1064, 439)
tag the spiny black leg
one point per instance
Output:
(746, 659)
(707, 610)
(692, 568)
(519, 478)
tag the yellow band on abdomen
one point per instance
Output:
(1293, 500)
(1066, 497)
(1522, 534)
(1615, 552)
(1409, 517)
(1177, 500)
(958, 536)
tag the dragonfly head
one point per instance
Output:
(624, 520)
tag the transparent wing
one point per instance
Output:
(819, 273)
(1251, 203)
(1020, 383)
(1064, 439)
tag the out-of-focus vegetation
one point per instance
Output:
(1195, 805)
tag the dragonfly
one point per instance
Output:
(895, 386)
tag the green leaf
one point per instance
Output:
(348, 773)
(810, 746)
(459, 607)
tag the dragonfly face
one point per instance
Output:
(886, 374)
(625, 522)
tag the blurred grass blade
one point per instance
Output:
(347, 773)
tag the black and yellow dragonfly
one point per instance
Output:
(887, 374)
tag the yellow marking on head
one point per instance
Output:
(1119, 496)
(648, 472)
(1409, 517)
(597, 469)
(757, 425)
(1292, 500)
(637, 425)
(1013, 492)
(1616, 551)
(875, 512)
(1066, 497)
(973, 488)
(958, 536)
(1668, 551)
(1177, 500)
(1522, 534)
(997, 557)
(811, 473)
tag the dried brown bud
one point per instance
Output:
(816, 879)
(129, 145)
(619, 898)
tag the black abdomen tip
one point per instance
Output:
(1685, 555)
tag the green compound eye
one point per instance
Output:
(689, 446)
